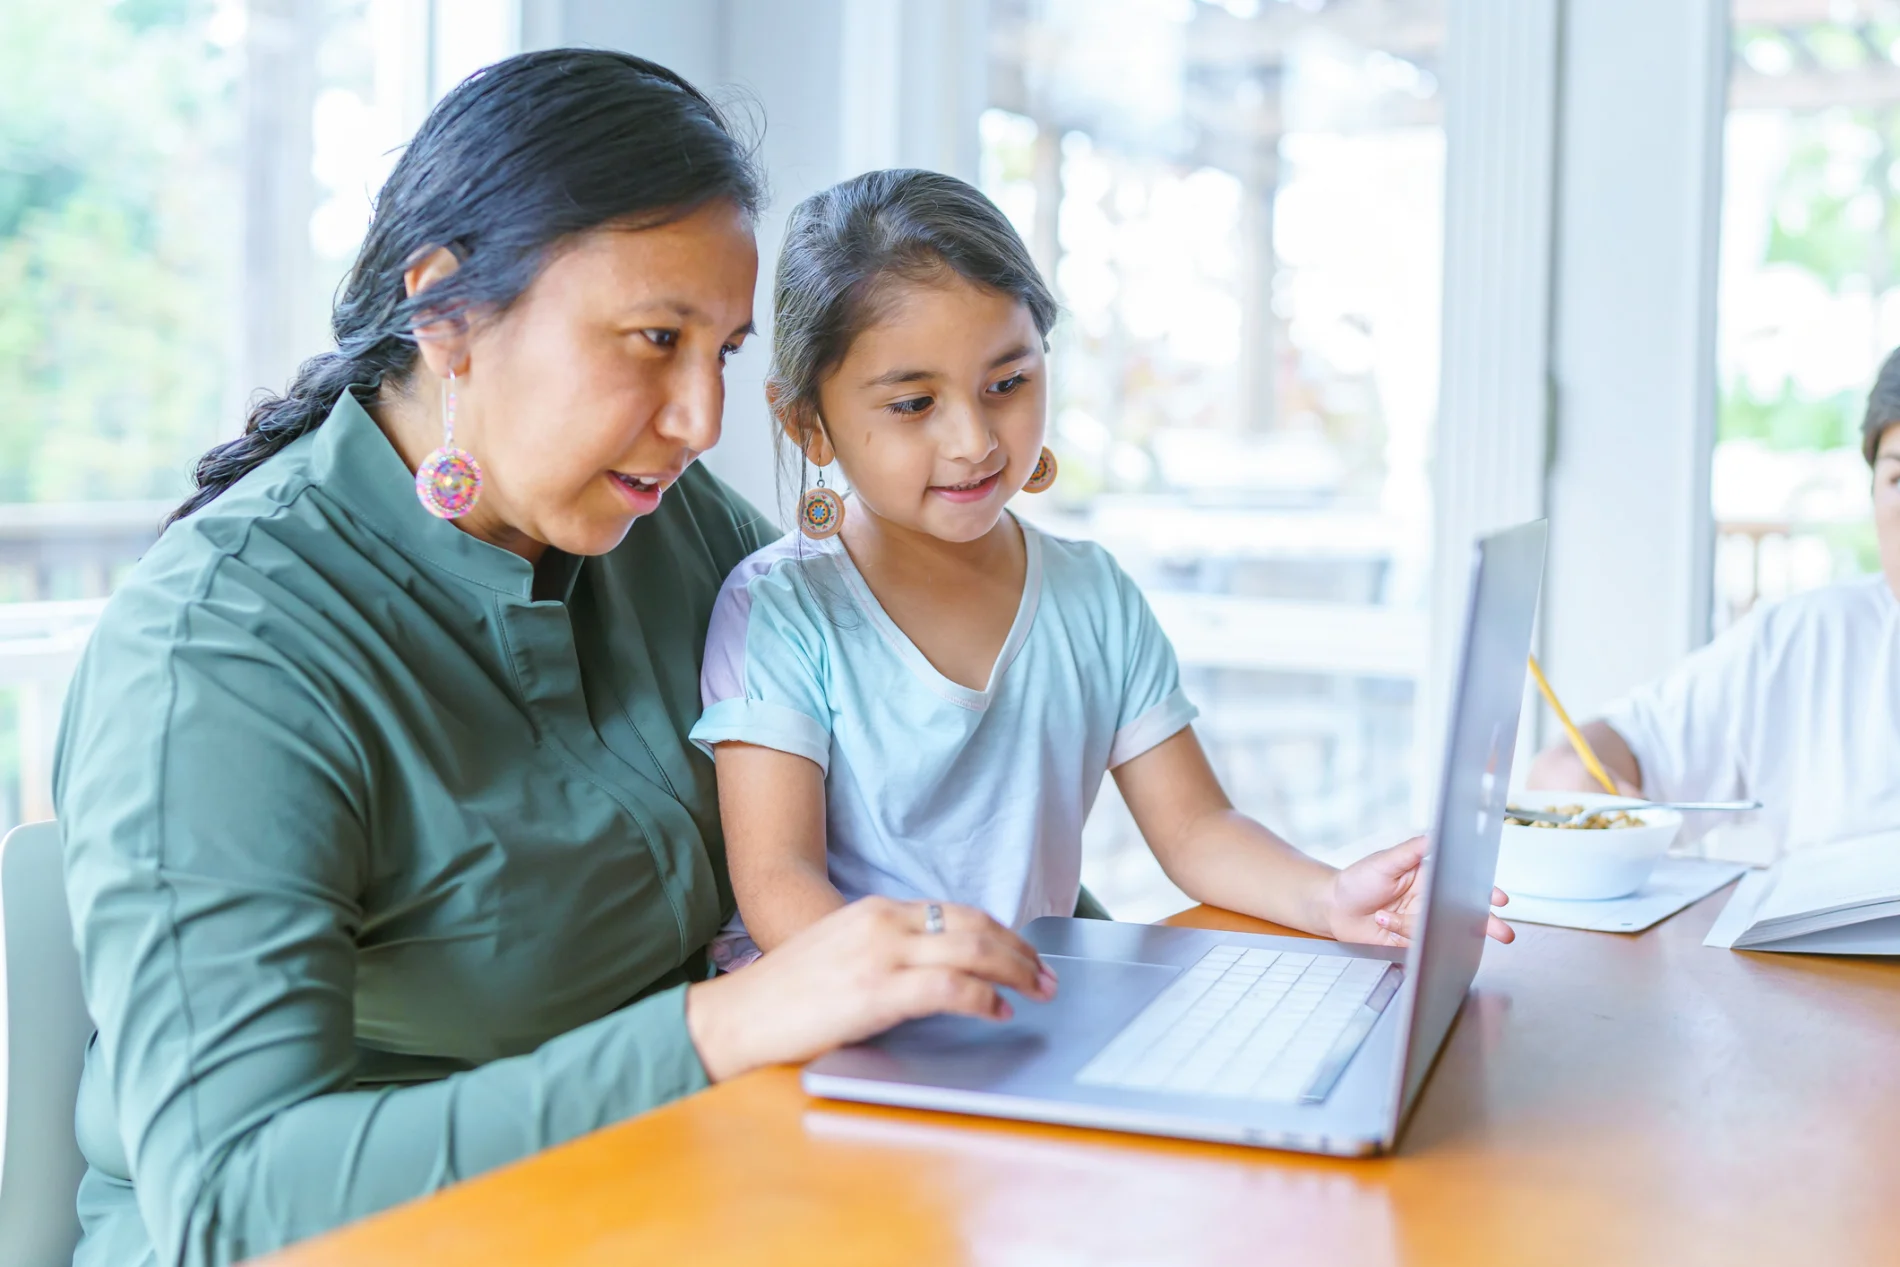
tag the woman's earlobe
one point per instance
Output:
(443, 347)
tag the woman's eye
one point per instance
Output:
(915, 405)
(728, 352)
(662, 338)
(1010, 384)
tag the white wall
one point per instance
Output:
(1489, 451)
(681, 36)
(790, 61)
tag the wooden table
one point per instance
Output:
(1604, 1099)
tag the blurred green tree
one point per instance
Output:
(118, 214)
(1834, 217)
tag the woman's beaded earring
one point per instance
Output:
(1044, 475)
(449, 481)
(820, 511)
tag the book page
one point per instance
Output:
(1852, 873)
(1871, 937)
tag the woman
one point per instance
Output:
(1797, 705)
(389, 858)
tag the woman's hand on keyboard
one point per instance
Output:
(854, 973)
(1375, 899)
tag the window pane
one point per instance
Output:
(182, 185)
(1808, 298)
(118, 204)
(1240, 205)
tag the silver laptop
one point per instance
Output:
(1276, 1041)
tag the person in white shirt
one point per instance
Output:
(1797, 705)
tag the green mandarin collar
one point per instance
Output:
(354, 463)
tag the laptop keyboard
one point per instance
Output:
(1253, 1024)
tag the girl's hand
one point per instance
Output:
(1374, 899)
(855, 973)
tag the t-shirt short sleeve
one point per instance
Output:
(1685, 728)
(1153, 705)
(761, 681)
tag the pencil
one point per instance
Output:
(1577, 741)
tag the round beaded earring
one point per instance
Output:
(820, 511)
(1044, 475)
(449, 481)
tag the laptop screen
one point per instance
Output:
(1507, 570)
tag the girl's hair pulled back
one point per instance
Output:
(845, 246)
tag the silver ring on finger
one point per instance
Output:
(933, 918)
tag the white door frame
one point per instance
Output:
(1583, 203)
(1490, 444)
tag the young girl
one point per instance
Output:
(917, 695)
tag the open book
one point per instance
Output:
(1841, 899)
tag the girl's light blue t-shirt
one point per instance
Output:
(933, 790)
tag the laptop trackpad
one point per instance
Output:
(1095, 999)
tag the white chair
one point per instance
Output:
(42, 1047)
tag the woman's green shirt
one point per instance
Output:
(388, 857)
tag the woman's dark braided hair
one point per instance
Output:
(518, 159)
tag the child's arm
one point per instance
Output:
(772, 805)
(1212, 851)
(1220, 856)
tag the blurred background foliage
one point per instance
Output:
(118, 215)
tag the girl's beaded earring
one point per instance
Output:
(820, 511)
(449, 481)
(1044, 475)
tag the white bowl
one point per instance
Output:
(1581, 865)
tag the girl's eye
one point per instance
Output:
(915, 405)
(726, 353)
(662, 338)
(1010, 384)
